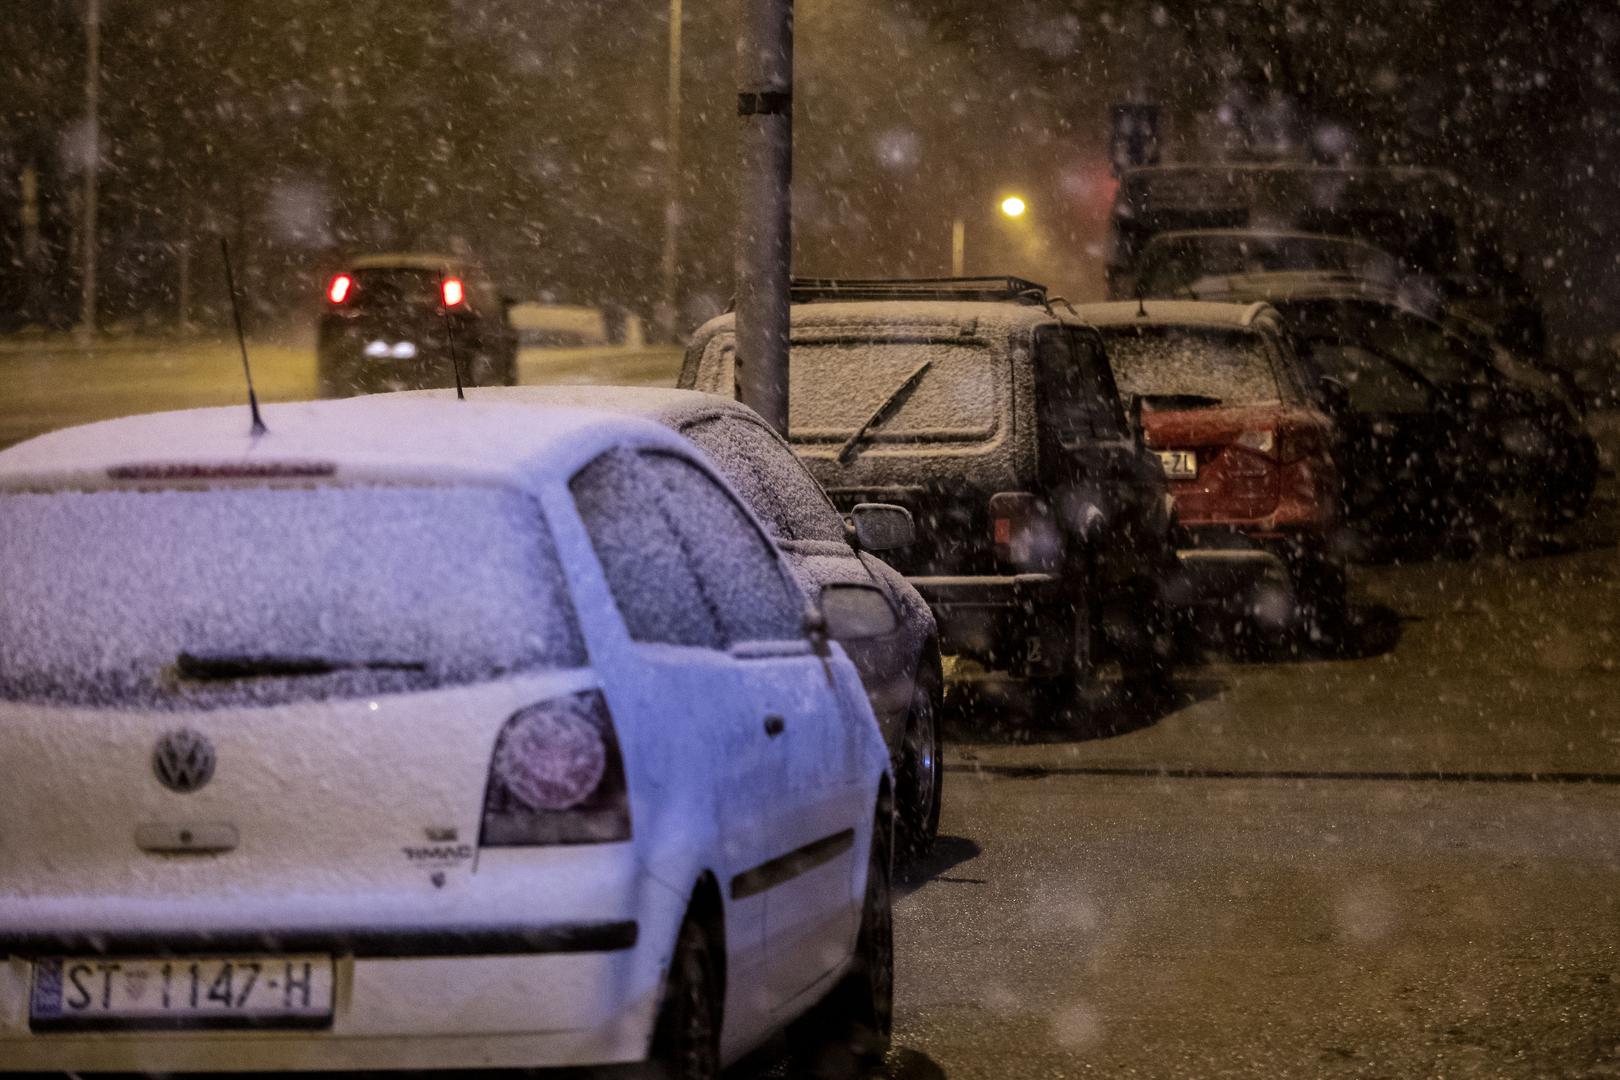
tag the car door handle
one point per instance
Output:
(774, 726)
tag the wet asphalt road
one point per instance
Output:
(1401, 862)
(1398, 864)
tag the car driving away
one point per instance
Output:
(409, 321)
(424, 734)
(1043, 528)
(901, 671)
(1226, 406)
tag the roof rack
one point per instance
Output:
(1006, 289)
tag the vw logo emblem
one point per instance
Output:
(183, 760)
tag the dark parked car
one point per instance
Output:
(1227, 407)
(1429, 219)
(1044, 525)
(405, 322)
(1438, 435)
(901, 672)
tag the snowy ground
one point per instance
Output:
(49, 382)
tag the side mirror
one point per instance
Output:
(852, 612)
(882, 527)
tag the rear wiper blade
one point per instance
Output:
(1172, 402)
(254, 666)
(881, 413)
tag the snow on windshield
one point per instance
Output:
(104, 590)
(836, 384)
(1230, 367)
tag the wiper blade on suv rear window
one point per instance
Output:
(847, 452)
(1171, 402)
(247, 666)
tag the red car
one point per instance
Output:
(1247, 447)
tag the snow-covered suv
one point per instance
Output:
(1044, 525)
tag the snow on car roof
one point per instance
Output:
(665, 405)
(1258, 233)
(415, 260)
(429, 435)
(1179, 312)
(1279, 286)
(992, 316)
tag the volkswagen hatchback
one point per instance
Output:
(422, 734)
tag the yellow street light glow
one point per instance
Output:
(1013, 206)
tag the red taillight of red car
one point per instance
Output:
(452, 292)
(338, 291)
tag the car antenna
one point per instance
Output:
(241, 340)
(450, 338)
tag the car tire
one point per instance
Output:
(921, 772)
(1079, 686)
(1148, 658)
(1325, 606)
(847, 1035)
(686, 1038)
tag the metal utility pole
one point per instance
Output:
(765, 213)
(92, 166)
(669, 305)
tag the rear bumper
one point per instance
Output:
(986, 615)
(1216, 576)
(512, 1012)
(1245, 570)
(534, 965)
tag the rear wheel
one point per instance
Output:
(846, 1036)
(686, 1040)
(922, 776)
(1078, 685)
(1147, 644)
(1324, 599)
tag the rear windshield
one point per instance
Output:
(1228, 367)
(837, 383)
(320, 592)
(394, 287)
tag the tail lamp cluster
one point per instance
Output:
(1256, 463)
(452, 293)
(557, 777)
(1023, 531)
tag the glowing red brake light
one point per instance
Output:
(338, 291)
(450, 288)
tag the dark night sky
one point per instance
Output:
(534, 129)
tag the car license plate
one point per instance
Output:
(182, 992)
(1179, 464)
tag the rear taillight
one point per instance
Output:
(338, 291)
(452, 292)
(1024, 533)
(557, 777)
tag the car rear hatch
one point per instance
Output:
(914, 413)
(1226, 464)
(221, 702)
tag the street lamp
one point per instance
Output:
(1011, 207)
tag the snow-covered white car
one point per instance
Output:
(419, 734)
